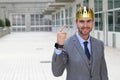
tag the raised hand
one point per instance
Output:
(61, 35)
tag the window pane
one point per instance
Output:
(53, 20)
(14, 20)
(116, 3)
(110, 4)
(66, 21)
(117, 20)
(100, 5)
(78, 5)
(23, 20)
(100, 20)
(66, 13)
(110, 21)
(32, 19)
(19, 20)
(70, 12)
(71, 22)
(62, 15)
(56, 16)
(37, 19)
(59, 16)
(96, 5)
(62, 22)
(85, 2)
(96, 21)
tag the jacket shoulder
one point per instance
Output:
(97, 41)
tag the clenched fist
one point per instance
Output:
(61, 35)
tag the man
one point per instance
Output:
(81, 55)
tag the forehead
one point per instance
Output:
(86, 19)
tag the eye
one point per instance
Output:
(81, 21)
(89, 21)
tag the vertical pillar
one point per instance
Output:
(105, 26)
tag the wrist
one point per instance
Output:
(58, 46)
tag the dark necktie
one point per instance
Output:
(86, 50)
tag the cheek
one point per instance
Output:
(79, 25)
(91, 25)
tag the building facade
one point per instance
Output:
(107, 19)
(50, 15)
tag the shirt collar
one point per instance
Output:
(81, 40)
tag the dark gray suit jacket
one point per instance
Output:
(74, 60)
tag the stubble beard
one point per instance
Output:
(84, 34)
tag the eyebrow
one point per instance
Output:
(89, 20)
(84, 21)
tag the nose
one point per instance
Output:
(85, 24)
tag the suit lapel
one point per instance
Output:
(80, 50)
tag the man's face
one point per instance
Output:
(84, 25)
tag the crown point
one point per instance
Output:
(84, 12)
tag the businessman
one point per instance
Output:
(81, 54)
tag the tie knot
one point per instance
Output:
(85, 43)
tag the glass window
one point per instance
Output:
(62, 22)
(14, 20)
(71, 22)
(62, 15)
(32, 19)
(66, 17)
(70, 12)
(66, 13)
(53, 19)
(85, 2)
(66, 21)
(59, 18)
(78, 5)
(100, 20)
(18, 20)
(56, 19)
(117, 20)
(98, 5)
(116, 3)
(110, 21)
(110, 4)
(23, 20)
(37, 19)
(96, 21)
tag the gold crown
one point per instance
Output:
(84, 12)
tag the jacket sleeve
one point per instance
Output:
(59, 63)
(103, 71)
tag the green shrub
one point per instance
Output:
(7, 22)
(2, 24)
